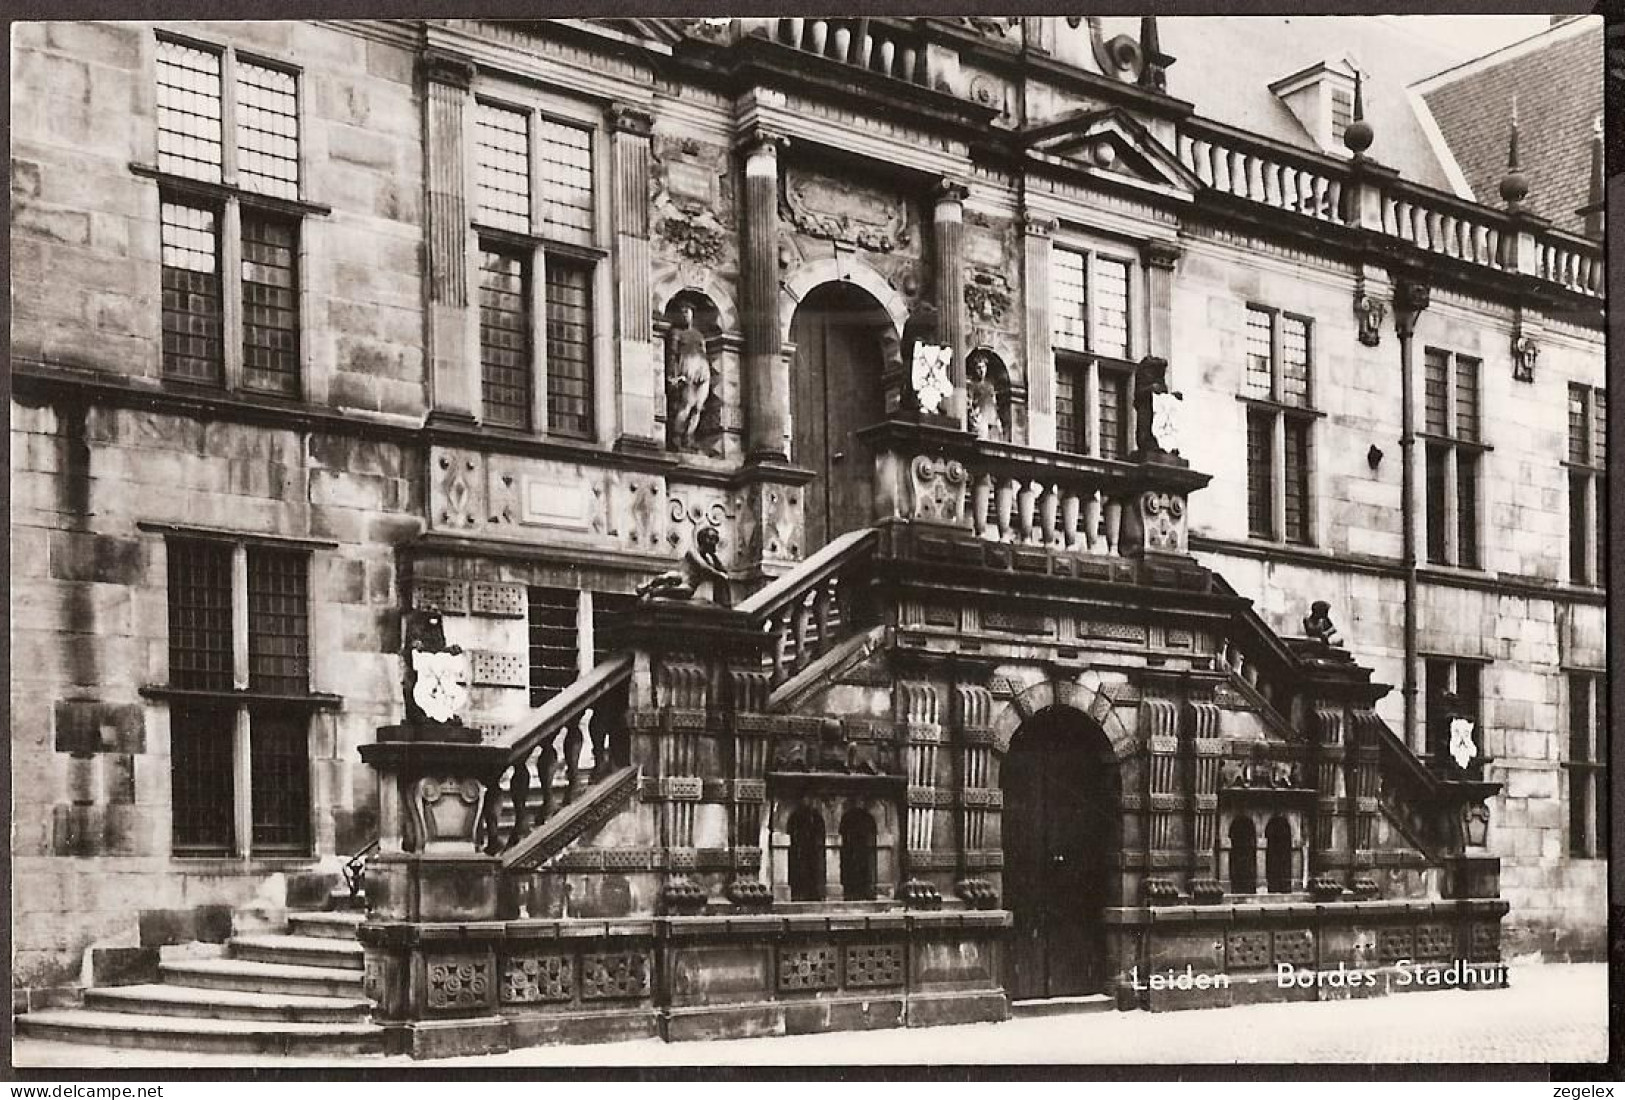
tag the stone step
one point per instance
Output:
(296, 950)
(260, 977)
(326, 925)
(227, 1004)
(1062, 1006)
(120, 1029)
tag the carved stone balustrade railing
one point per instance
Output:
(887, 47)
(804, 613)
(1438, 223)
(1569, 261)
(1005, 493)
(1274, 176)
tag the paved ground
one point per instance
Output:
(1549, 1014)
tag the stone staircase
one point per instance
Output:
(292, 993)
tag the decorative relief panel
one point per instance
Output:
(691, 194)
(869, 217)
(451, 597)
(1485, 941)
(458, 982)
(872, 965)
(499, 669)
(1295, 946)
(538, 979)
(1247, 950)
(1435, 941)
(506, 601)
(457, 489)
(1018, 622)
(608, 977)
(1120, 632)
(1394, 944)
(808, 968)
(937, 489)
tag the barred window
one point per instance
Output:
(505, 343)
(1090, 303)
(278, 620)
(502, 159)
(1278, 389)
(267, 130)
(1111, 307)
(1587, 765)
(1588, 492)
(279, 782)
(554, 661)
(270, 304)
(1116, 397)
(1069, 434)
(1069, 308)
(189, 240)
(566, 181)
(569, 348)
(189, 114)
(202, 767)
(1451, 423)
(200, 630)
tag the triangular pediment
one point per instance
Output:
(1113, 144)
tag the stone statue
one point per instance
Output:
(982, 400)
(1318, 625)
(688, 378)
(1156, 416)
(701, 574)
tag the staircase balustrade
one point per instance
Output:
(804, 613)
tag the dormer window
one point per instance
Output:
(1322, 99)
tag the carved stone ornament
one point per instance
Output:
(987, 391)
(1164, 520)
(938, 489)
(928, 375)
(840, 210)
(987, 297)
(441, 685)
(1318, 624)
(688, 378)
(1165, 418)
(1525, 354)
(1462, 749)
(1371, 313)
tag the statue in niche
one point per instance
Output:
(701, 574)
(1317, 625)
(688, 379)
(983, 398)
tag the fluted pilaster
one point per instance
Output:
(1040, 352)
(454, 383)
(639, 390)
(948, 224)
(1161, 257)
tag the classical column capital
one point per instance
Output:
(1038, 225)
(761, 142)
(627, 118)
(949, 191)
(439, 66)
(1162, 254)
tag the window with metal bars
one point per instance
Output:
(558, 644)
(279, 782)
(202, 770)
(1277, 386)
(1587, 766)
(569, 348)
(1452, 456)
(189, 240)
(208, 578)
(502, 168)
(1588, 495)
(1090, 302)
(270, 304)
(505, 324)
(254, 153)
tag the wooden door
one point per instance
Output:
(836, 386)
(1057, 834)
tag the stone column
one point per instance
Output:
(453, 377)
(1160, 259)
(639, 393)
(767, 379)
(1038, 326)
(1411, 298)
(948, 256)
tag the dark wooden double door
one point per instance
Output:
(1059, 818)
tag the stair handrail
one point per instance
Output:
(833, 557)
(567, 706)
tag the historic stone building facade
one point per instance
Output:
(864, 331)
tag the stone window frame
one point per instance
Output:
(1435, 734)
(1586, 464)
(228, 200)
(1453, 505)
(1082, 365)
(1586, 766)
(539, 251)
(1282, 418)
(244, 699)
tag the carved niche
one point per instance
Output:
(859, 214)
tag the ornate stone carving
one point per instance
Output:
(987, 297)
(878, 964)
(688, 377)
(1525, 355)
(436, 677)
(842, 210)
(1318, 624)
(537, 979)
(458, 489)
(458, 983)
(1164, 520)
(610, 977)
(1371, 312)
(805, 968)
(937, 489)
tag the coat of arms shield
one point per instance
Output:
(441, 687)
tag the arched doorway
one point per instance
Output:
(836, 389)
(806, 855)
(1278, 856)
(858, 855)
(1060, 833)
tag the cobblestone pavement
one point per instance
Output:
(1556, 1013)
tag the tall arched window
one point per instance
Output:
(806, 855)
(858, 855)
(1278, 856)
(1243, 856)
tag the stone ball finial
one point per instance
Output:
(1359, 134)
